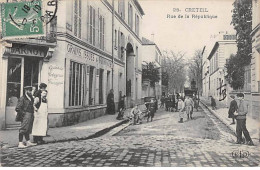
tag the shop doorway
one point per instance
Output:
(22, 71)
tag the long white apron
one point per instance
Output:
(40, 121)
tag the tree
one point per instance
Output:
(235, 72)
(195, 68)
(165, 78)
(173, 65)
(241, 20)
(150, 72)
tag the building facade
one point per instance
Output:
(255, 61)
(205, 72)
(96, 47)
(151, 53)
(214, 82)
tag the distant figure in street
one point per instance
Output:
(40, 123)
(188, 103)
(134, 115)
(196, 102)
(121, 106)
(110, 103)
(24, 111)
(241, 120)
(232, 109)
(151, 109)
(162, 102)
(181, 108)
(213, 103)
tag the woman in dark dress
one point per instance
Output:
(110, 103)
(232, 108)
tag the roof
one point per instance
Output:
(139, 7)
(147, 42)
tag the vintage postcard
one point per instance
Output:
(129, 83)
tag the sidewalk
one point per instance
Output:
(85, 130)
(252, 125)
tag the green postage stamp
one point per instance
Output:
(22, 19)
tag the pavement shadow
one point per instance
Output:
(197, 117)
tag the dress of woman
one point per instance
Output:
(40, 123)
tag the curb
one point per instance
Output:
(95, 135)
(216, 115)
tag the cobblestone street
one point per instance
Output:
(203, 141)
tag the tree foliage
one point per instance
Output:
(195, 68)
(150, 72)
(242, 22)
(173, 65)
(235, 73)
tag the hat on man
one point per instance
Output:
(28, 88)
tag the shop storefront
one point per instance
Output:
(78, 84)
(21, 65)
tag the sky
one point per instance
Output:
(185, 34)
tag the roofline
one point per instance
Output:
(139, 7)
(213, 50)
(203, 49)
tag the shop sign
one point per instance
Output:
(27, 51)
(87, 55)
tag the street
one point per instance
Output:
(203, 141)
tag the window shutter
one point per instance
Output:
(80, 13)
(88, 20)
(119, 44)
(97, 28)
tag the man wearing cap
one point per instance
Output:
(241, 120)
(25, 109)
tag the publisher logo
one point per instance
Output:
(240, 154)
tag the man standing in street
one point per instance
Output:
(188, 103)
(241, 120)
(25, 111)
(180, 109)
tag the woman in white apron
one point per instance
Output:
(40, 123)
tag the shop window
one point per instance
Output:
(13, 81)
(76, 89)
(101, 72)
(91, 86)
(31, 71)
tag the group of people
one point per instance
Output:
(136, 116)
(32, 112)
(177, 103)
(111, 105)
(237, 111)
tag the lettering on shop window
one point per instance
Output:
(55, 75)
(88, 56)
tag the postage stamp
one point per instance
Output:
(26, 19)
